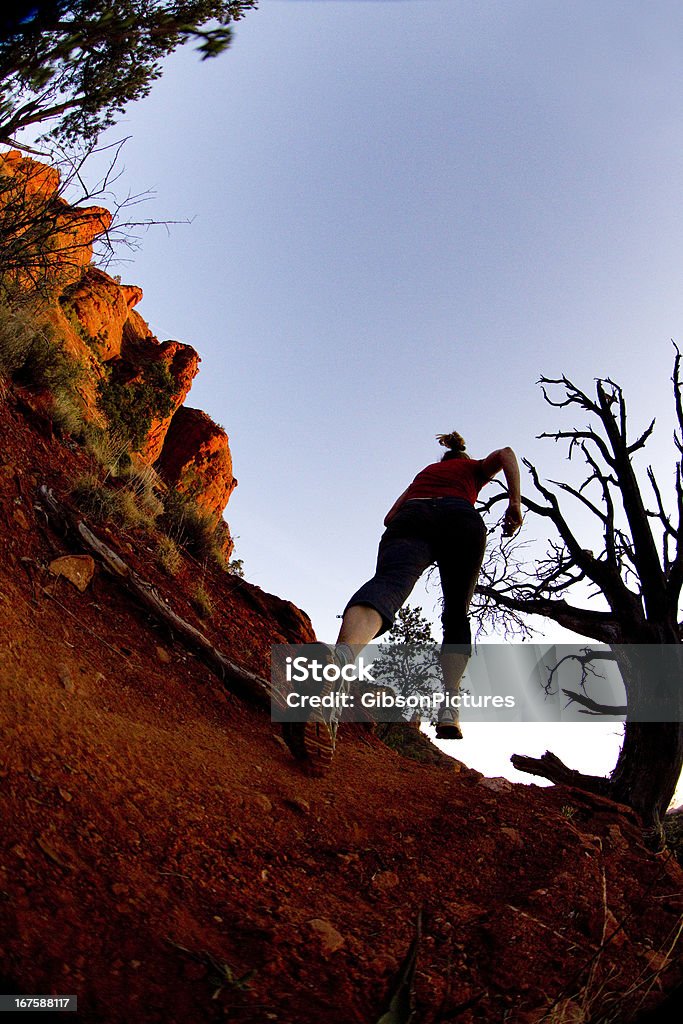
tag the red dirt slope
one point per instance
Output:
(159, 842)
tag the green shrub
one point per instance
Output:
(109, 451)
(196, 531)
(132, 512)
(217, 555)
(32, 356)
(141, 481)
(16, 335)
(407, 740)
(70, 314)
(188, 526)
(202, 602)
(169, 558)
(67, 415)
(31, 353)
(95, 499)
(130, 407)
(105, 503)
(47, 365)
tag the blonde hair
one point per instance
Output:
(454, 441)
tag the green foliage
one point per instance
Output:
(221, 535)
(401, 665)
(410, 627)
(218, 555)
(16, 337)
(109, 450)
(79, 329)
(673, 830)
(141, 482)
(219, 974)
(105, 502)
(130, 407)
(401, 1008)
(188, 526)
(132, 511)
(67, 416)
(409, 741)
(397, 665)
(32, 356)
(95, 499)
(202, 602)
(169, 558)
(79, 63)
(47, 365)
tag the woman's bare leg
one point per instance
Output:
(360, 625)
(453, 666)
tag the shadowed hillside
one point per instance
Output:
(163, 856)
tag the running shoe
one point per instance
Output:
(314, 740)
(448, 727)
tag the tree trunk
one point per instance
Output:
(651, 758)
(648, 768)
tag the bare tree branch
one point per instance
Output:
(642, 590)
(573, 436)
(586, 660)
(648, 566)
(550, 767)
(580, 497)
(574, 395)
(675, 574)
(600, 626)
(642, 440)
(602, 574)
(593, 708)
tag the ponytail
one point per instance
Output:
(455, 444)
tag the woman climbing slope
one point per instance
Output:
(433, 521)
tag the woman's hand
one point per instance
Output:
(505, 459)
(512, 520)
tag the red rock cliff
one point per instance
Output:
(196, 459)
(53, 239)
(94, 317)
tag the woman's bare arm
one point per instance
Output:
(505, 459)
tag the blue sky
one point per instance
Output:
(401, 214)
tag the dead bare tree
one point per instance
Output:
(636, 578)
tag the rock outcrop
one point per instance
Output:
(53, 241)
(100, 307)
(93, 316)
(196, 459)
(140, 352)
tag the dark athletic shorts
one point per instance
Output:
(446, 531)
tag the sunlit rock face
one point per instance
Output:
(196, 459)
(93, 316)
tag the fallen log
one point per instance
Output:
(550, 767)
(238, 680)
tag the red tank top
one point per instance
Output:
(454, 478)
